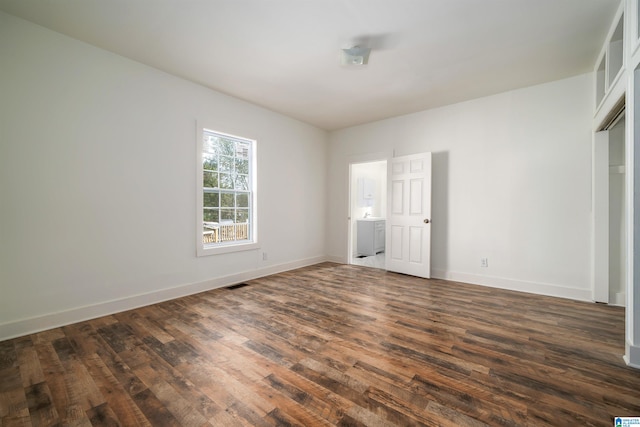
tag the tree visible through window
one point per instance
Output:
(226, 186)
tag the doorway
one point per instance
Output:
(367, 208)
(609, 210)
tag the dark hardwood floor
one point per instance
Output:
(329, 345)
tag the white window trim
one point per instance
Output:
(230, 247)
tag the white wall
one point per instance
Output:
(97, 183)
(511, 182)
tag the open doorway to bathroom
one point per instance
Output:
(368, 210)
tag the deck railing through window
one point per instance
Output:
(225, 233)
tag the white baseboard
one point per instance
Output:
(515, 285)
(337, 259)
(79, 314)
(632, 355)
(502, 283)
(619, 298)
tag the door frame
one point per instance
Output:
(600, 203)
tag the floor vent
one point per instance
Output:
(238, 286)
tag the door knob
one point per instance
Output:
(426, 221)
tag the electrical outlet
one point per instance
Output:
(264, 256)
(484, 262)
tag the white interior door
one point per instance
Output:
(408, 243)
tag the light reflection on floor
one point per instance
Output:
(375, 261)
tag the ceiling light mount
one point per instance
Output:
(355, 55)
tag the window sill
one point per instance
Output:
(225, 249)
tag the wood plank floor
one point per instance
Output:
(328, 345)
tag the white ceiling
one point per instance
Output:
(284, 54)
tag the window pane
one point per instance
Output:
(209, 162)
(211, 200)
(242, 215)
(226, 164)
(242, 149)
(227, 147)
(227, 214)
(242, 200)
(210, 144)
(226, 181)
(242, 166)
(227, 200)
(211, 215)
(210, 179)
(242, 183)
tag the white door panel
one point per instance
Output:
(415, 199)
(417, 165)
(415, 244)
(397, 190)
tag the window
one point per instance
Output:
(226, 193)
